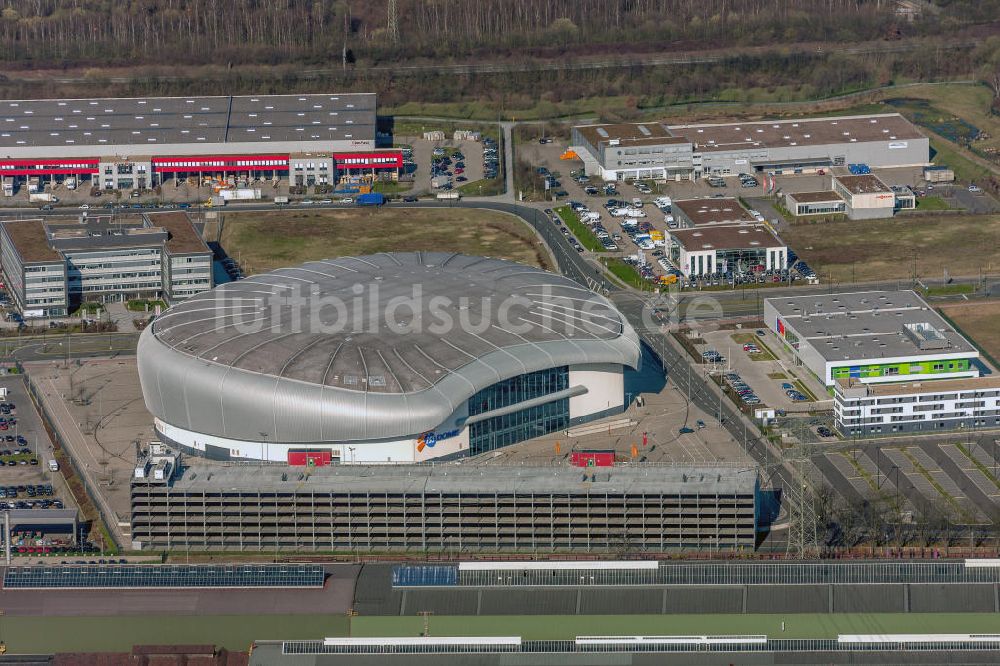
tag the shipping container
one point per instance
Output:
(939, 174)
(370, 199)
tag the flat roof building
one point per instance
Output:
(826, 202)
(256, 124)
(52, 265)
(389, 358)
(713, 211)
(859, 197)
(439, 508)
(627, 151)
(778, 146)
(865, 196)
(875, 410)
(723, 249)
(139, 143)
(873, 336)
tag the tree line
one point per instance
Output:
(185, 32)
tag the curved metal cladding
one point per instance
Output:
(201, 371)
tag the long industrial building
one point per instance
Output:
(388, 358)
(673, 152)
(446, 508)
(50, 267)
(871, 337)
(140, 143)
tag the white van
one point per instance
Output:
(53, 466)
(637, 202)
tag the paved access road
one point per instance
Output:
(71, 346)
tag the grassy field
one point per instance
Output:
(979, 320)
(265, 241)
(968, 102)
(40, 635)
(954, 289)
(932, 203)
(579, 229)
(885, 249)
(487, 187)
(628, 274)
(537, 627)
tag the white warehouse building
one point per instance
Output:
(872, 337)
(617, 152)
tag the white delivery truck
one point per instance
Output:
(280, 201)
(70, 183)
(33, 185)
(8, 187)
(240, 194)
(449, 195)
(42, 196)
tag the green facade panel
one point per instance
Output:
(903, 369)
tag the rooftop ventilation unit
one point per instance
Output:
(925, 336)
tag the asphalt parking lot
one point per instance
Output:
(423, 153)
(960, 478)
(767, 371)
(28, 426)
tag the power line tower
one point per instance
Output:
(393, 23)
(803, 537)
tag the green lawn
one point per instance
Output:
(965, 170)
(487, 187)
(141, 305)
(31, 634)
(555, 627)
(264, 241)
(391, 187)
(628, 274)
(932, 203)
(26, 634)
(950, 290)
(579, 229)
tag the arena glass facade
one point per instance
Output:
(506, 429)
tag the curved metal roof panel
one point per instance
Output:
(374, 347)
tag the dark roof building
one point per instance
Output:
(52, 264)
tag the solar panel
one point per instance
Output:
(416, 575)
(164, 576)
(508, 574)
